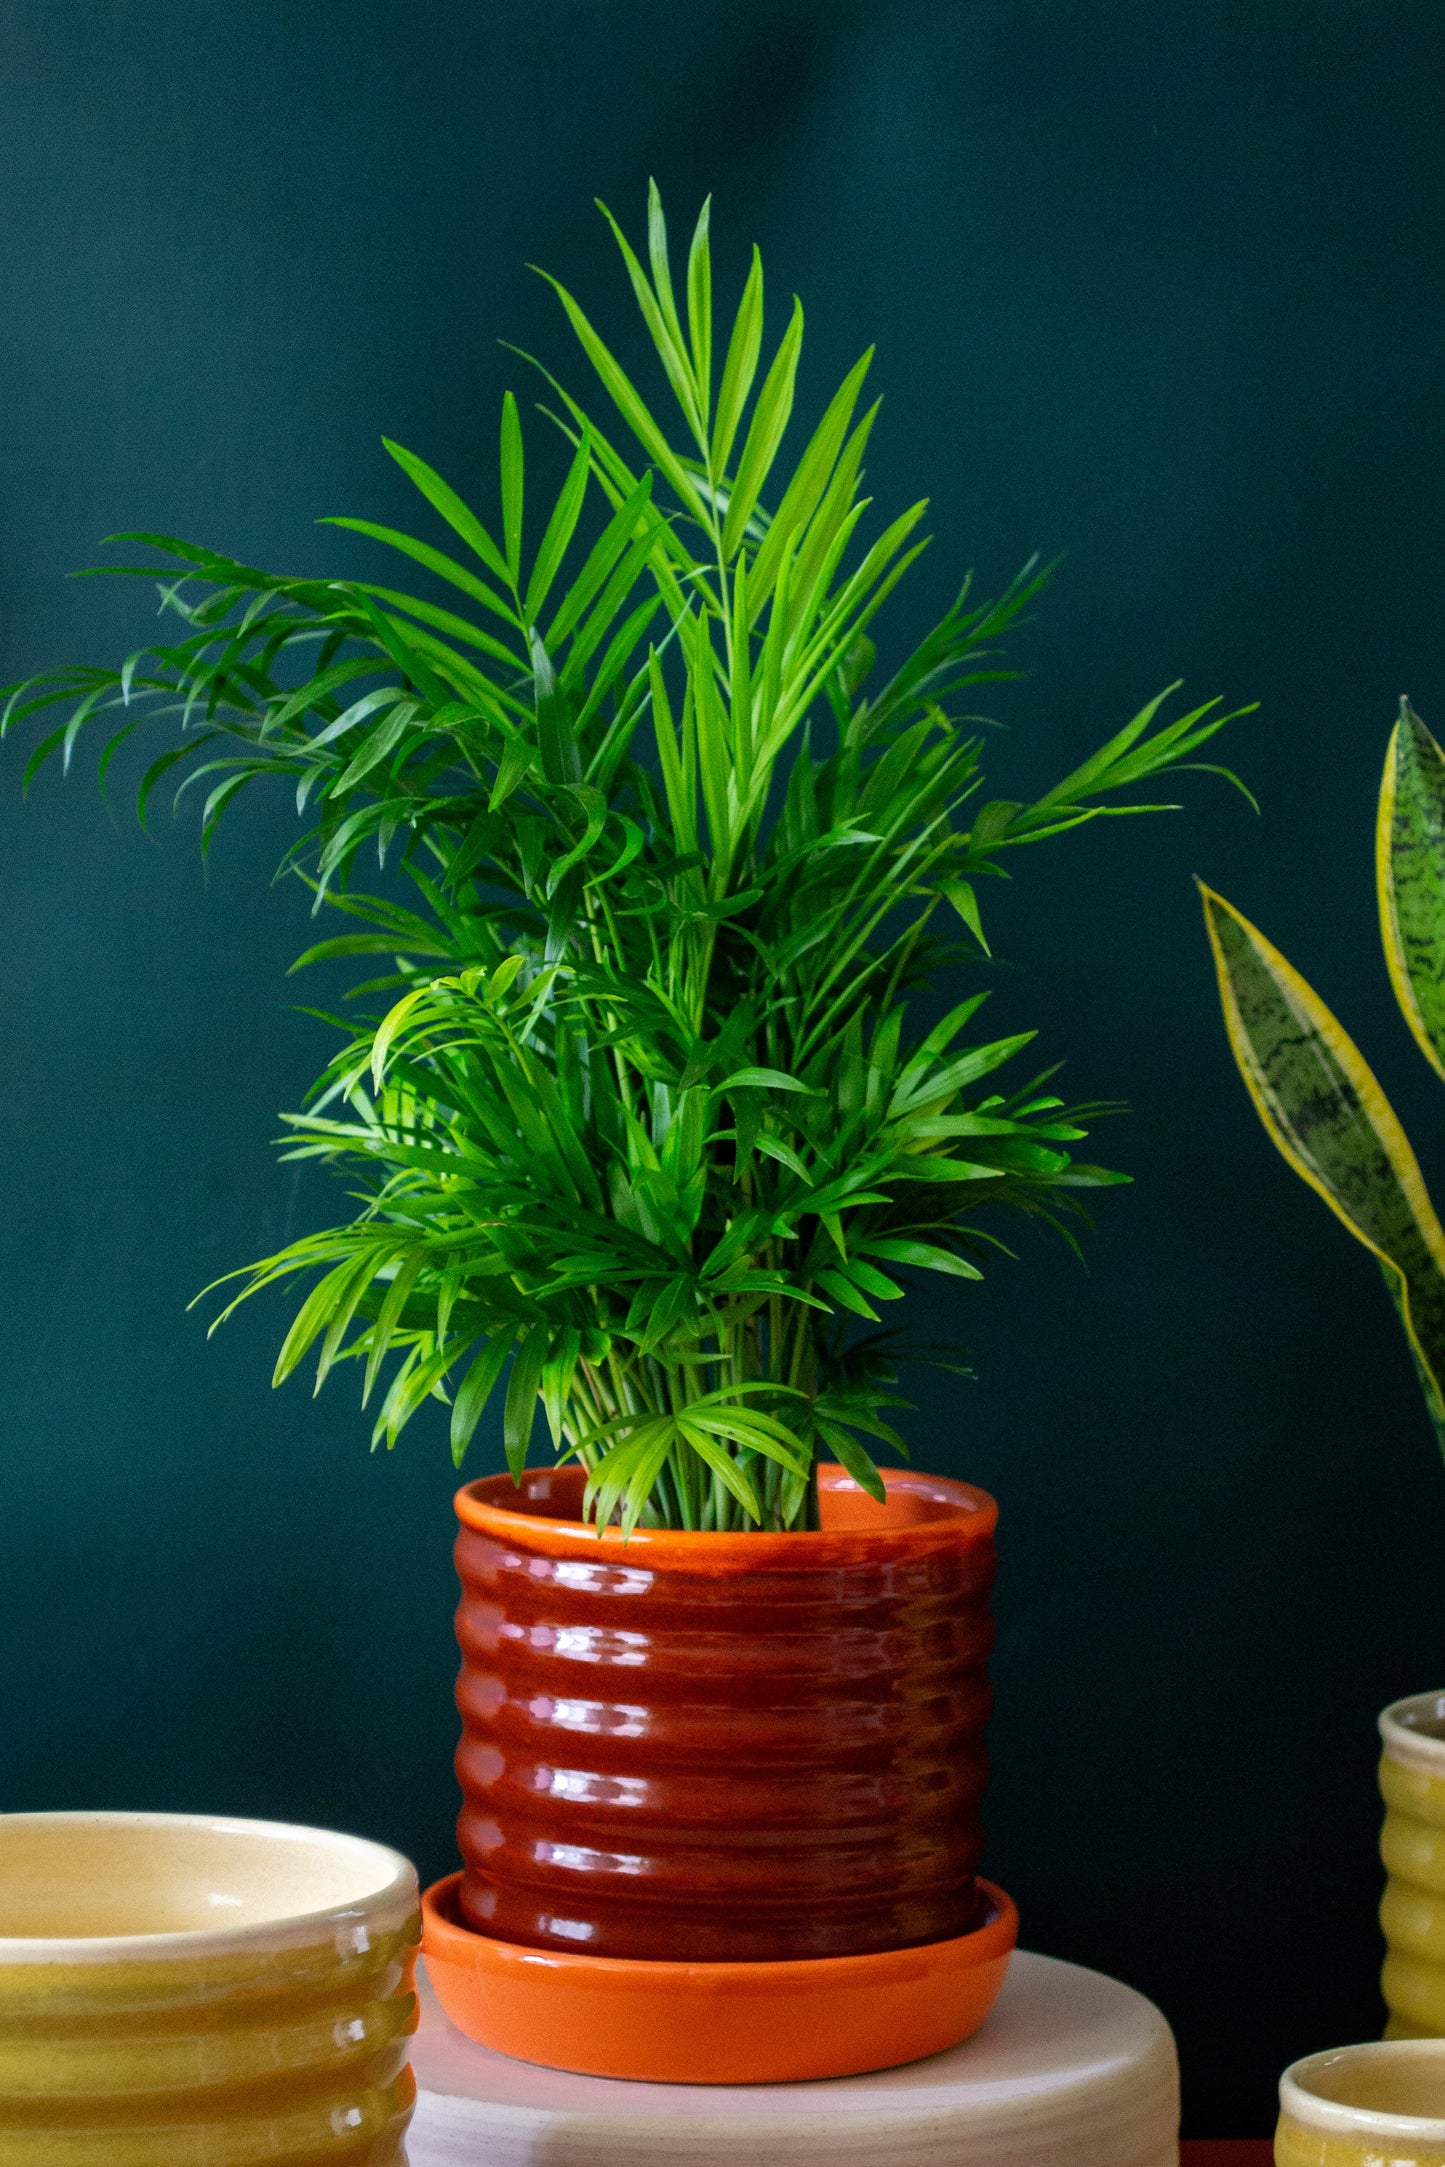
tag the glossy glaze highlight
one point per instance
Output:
(723, 1748)
(179, 1991)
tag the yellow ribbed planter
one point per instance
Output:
(1412, 1845)
(177, 1991)
(1366, 2106)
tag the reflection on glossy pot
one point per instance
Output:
(723, 1747)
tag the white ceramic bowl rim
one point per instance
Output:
(1414, 1731)
(1331, 2115)
(387, 1896)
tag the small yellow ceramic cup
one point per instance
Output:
(1412, 1845)
(180, 1991)
(1380, 2105)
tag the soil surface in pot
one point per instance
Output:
(721, 1748)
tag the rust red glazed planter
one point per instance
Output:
(710, 1749)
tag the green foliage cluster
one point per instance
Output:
(1314, 1091)
(639, 1123)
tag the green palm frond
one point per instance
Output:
(639, 1127)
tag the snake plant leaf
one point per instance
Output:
(1327, 1115)
(1410, 876)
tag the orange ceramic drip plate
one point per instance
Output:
(738, 2023)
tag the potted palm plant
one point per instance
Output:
(1326, 1113)
(648, 1146)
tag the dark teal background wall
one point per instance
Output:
(1159, 286)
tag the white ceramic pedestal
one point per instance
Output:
(1071, 2070)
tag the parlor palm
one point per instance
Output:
(636, 1122)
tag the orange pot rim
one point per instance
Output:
(450, 1942)
(965, 1504)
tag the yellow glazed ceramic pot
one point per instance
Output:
(178, 1991)
(1381, 2105)
(1412, 1844)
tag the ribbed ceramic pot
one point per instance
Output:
(717, 1748)
(179, 1991)
(1412, 1845)
(1377, 2105)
